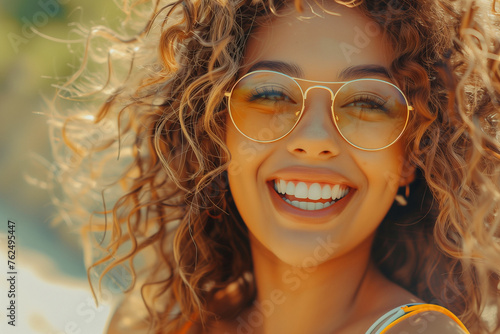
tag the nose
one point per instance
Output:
(315, 136)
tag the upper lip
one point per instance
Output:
(308, 174)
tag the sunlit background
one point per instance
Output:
(52, 294)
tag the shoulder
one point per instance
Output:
(427, 319)
(127, 316)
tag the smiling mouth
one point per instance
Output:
(310, 196)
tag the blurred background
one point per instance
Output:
(52, 291)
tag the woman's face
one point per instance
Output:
(314, 153)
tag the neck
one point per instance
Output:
(294, 299)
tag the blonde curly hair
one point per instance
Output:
(154, 148)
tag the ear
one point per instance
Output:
(407, 174)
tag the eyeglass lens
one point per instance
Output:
(368, 113)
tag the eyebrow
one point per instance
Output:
(351, 72)
(361, 71)
(278, 66)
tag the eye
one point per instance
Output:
(367, 102)
(270, 94)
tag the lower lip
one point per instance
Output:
(320, 216)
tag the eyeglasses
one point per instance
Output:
(370, 114)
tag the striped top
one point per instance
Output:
(391, 318)
(400, 313)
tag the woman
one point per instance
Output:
(303, 167)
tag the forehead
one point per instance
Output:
(320, 44)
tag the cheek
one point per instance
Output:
(247, 157)
(244, 152)
(383, 170)
(246, 180)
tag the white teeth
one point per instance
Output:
(314, 191)
(339, 191)
(335, 191)
(282, 184)
(326, 192)
(311, 206)
(300, 190)
(342, 192)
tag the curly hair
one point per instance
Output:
(173, 230)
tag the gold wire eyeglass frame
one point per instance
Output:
(320, 85)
